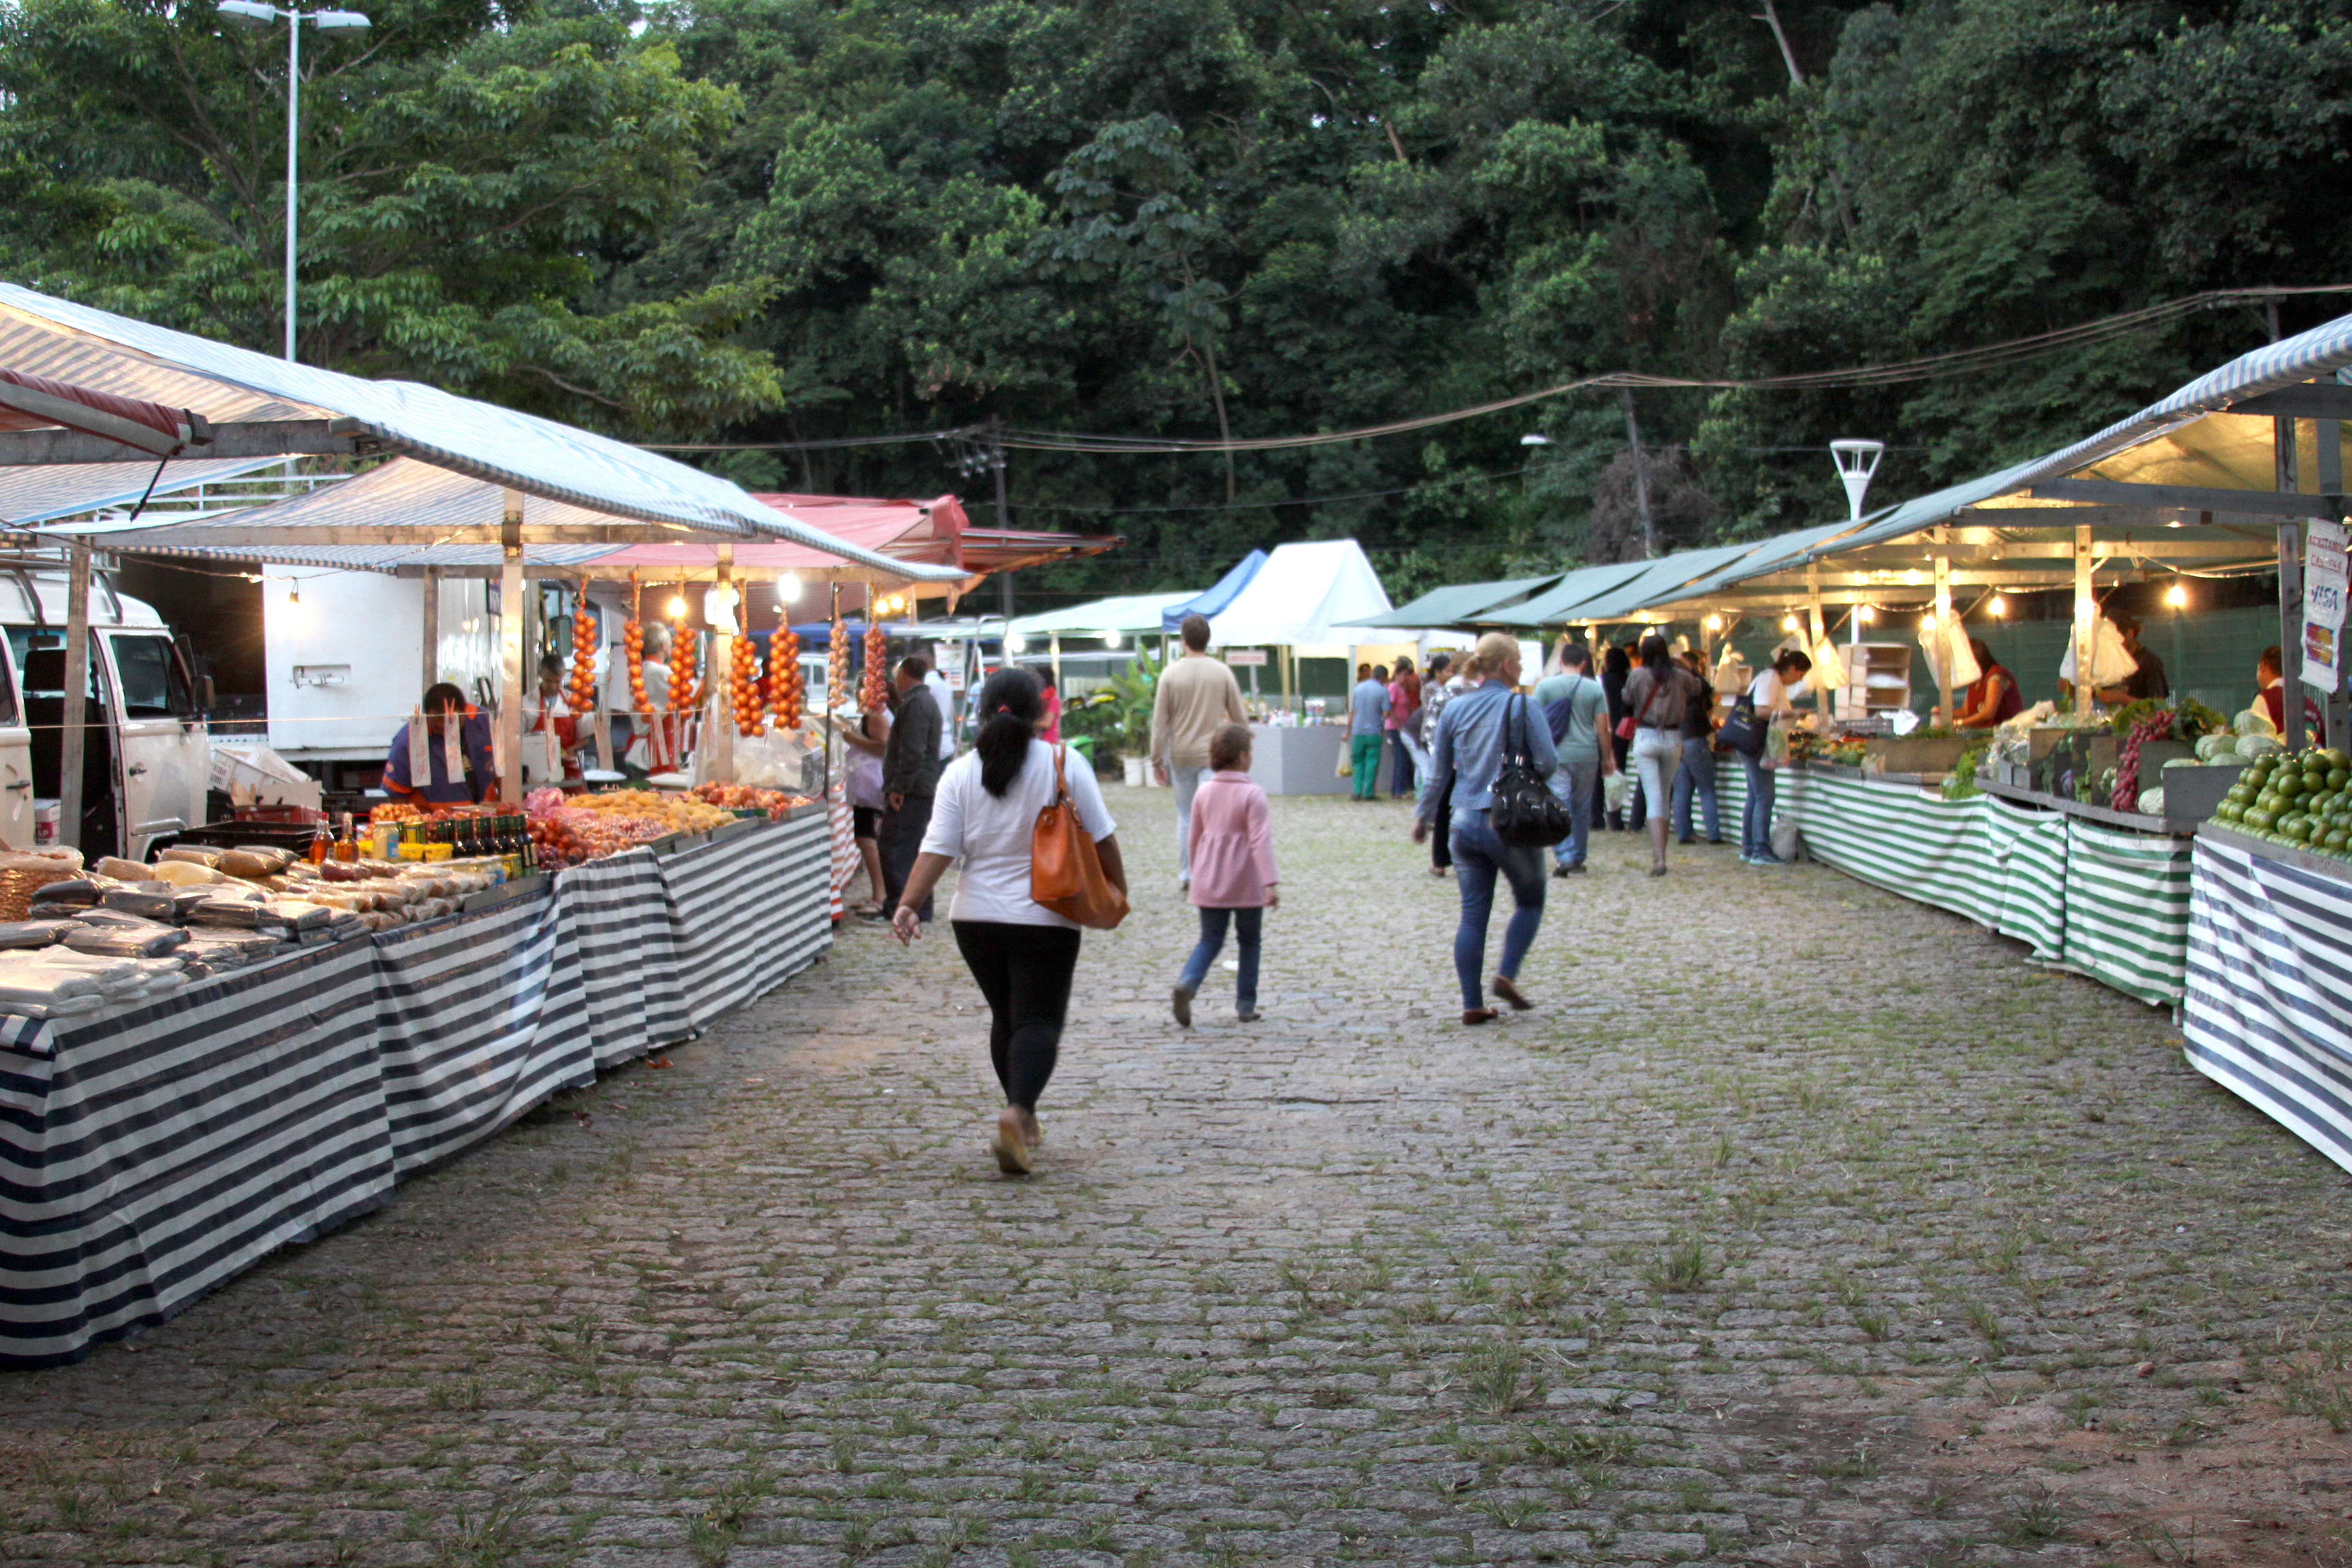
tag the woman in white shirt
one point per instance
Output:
(1773, 692)
(1020, 953)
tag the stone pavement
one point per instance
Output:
(1798, 1225)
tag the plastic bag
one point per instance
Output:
(1614, 788)
(123, 942)
(2111, 663)
(1829, 667)
(1950, 661)
(149, 900)
(17, 934)
(1787, 842)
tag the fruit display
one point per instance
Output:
(750, 704)
(787, 694)
(2125, 796)
(747, 797)
(571, 829)
(581, 690)
(836, 663)
(633, 638)
(874, 691)
(2303, 799)
(683, 691)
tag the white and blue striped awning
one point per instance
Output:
(37, 494)
(539, 456)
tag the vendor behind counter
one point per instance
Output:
(445, 705)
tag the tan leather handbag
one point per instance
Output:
(1065, 873)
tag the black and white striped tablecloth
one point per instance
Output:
(160, 1152)
(149, 1156)
(2268, 1012)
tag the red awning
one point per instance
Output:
(932, 532)
(37, 402)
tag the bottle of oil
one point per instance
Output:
(322, 842)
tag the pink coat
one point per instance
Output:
(1232, 844)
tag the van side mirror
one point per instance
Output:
(205, 696)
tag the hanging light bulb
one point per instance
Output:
(1997, 606)
(1110, 639)
(1927, 621)
(676, 605)
(1015, 643)
(1788, 623)
(788, 588)
(294, 612)
(2177, 595)
(1714, 623)
(1864, 614)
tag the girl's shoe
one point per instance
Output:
(1475, 1015)
(1246, 1015)
(1504, 987)
(1179, 1002)
(1012, 1143)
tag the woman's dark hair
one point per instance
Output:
(1228, 746)
(1614, 662)
(1793, 660)
(1981, 654)
(1013, 705)
(1654, 654)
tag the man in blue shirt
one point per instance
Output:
(1368, 714)
(1574, 709)
(473, 743)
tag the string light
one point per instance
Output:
(1714, 623)
(788, 588)
(2177, 595)
(1997, 606)
(1788, 623)
(1864, 614)
(676, 606)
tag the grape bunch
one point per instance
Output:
(2155, 727)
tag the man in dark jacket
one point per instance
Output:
(911, 776)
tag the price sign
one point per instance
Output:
(1245, 655)
(2324, 575)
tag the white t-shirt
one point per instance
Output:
(946, 699)
(991, 834)
(1774, 695)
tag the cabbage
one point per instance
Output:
(2253, 746)
(2255, 721)
(2213, 748)
(2151, 802)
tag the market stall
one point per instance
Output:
(153, 1151)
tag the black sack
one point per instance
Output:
(1745, 731)
(1525, 814)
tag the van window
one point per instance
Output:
(40, 657)
(152, 684)
(10, 713)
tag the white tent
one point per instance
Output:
(1304, 595)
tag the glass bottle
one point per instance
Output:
(347, 842)
(322, 842)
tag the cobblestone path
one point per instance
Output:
(1798, 1225)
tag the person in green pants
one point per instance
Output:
(1367, 707)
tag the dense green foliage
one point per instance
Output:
(786, 220)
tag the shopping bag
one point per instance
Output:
(1066, 872)
(1614, 788)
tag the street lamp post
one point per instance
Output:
(254, 15)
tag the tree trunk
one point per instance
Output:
(1640, 474)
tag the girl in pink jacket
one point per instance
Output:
(1233, 871)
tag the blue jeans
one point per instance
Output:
(1697, 770)
(1479, 856)
(1756, 822)
(1576, 783)
(1246, 925)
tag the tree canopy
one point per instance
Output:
(797, 221)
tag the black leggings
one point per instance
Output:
(1024, 972)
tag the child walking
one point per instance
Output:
(1233, 871)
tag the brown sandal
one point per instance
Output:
(1479, 1015)
(1504, 987)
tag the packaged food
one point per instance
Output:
(185, 874)
(121, 942)
(84, 892)
(279, 858)
(121, 870)
(191, 855)
(299, 915)
(15, 934)
(247, 866)
(150, 900)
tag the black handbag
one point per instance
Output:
(1525, 814)
(1745, 729)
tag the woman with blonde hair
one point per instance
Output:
(1475, 732)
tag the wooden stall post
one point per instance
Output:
(1944, 625)
(431, 626)
(77, 713)
(719, 724)
(2290, 592)
(2086, 621)
(1820, 626)
(511, 632)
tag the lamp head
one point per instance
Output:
(330, 23)
(788, 588)
(2177, 595)
(251, 15)
(1998, 605)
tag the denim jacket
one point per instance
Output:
(1469, 750)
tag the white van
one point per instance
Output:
(146, 753)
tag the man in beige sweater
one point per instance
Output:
(1196, 695)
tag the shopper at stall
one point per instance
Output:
(1233, 876)
(1574, 707)
(1992, 698)
(1368, 720)
(444, 713)
(1658, 695)
(865, 738)
(1195, 696)
(944, 695)
(1472, 736)
(1696, 776)
(2147, 681)
(1444, 683)
(1616, 666)
(1020, 954)
(1404, 730)
(910, 777)
(1774, 691)
(1050, 730)
(2270, 694)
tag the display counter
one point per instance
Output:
(1300, 758)
(2268, 1013)
(150, 1155)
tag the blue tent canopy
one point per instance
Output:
(1212, 603)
